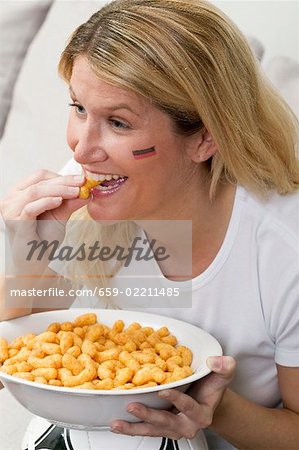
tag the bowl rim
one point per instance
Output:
(198, 374)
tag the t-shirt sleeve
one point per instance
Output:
(279, 285)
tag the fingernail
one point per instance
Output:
(131, 410)
(73, 190)
(79, 178)
(115, 430)
(164, 394)
(57, 200)
(215, 363)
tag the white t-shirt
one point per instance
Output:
(248, 298)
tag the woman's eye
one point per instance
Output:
(119, 124)
(79, 109)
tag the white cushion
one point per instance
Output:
(19, 22)
(35, 133)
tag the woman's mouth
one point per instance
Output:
(110, 183)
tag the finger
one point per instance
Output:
(224, 366)
(142, 429)
(182, 402)
(162, 418)
(68, 180)
(68, 207)
(35, 178)
(37, 192)
(33, 209)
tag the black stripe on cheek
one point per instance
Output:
(144, 152)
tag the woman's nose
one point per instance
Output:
(88, 147)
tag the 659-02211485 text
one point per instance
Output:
(97, 291)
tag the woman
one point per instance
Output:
(168, 103)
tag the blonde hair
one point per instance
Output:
(190, 60)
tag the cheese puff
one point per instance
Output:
(71, 363)
(28, 338)
(129, 361)
(23, 367)
(85, 319)
(66, 341)
(105, 372)
(171, 340)
(109, 344)
(147, 374)
(149, 384)
(144, 357)
(179, 373)
(118, 326)
(161, 363)
(186, 355)
(94, 332)
(84, 192)
(22, 355)
(12, 352)
(10, 370)
(47, 336)
(79, 332)
(45, 372)
(87, 186)
(123, 376)
(139, 336)
(99, 347)
(148, 330)
(103, 384)
(165, 350)
(41, 380)
(67, 326)
(24, 375)
(89, 348)
(38, 353)
(55, 383)
(144, 345)
(133, 327)
(102, 340)
(53, 361)
(17, 343)
(3, 350)
(111, 353)
(74, 351)
(86, 385)
(77, 339)
(173, 362)
(88, 373)
(162, 332)
(50, 349)
(54, 327)
(122, 338)
(125, 387)
(130, 346)
(153, 339)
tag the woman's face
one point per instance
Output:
(107, 126)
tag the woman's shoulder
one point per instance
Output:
(274, 214)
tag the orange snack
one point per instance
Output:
(87, 186)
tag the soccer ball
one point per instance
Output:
(42, 435)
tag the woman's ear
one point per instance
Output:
(206, 148)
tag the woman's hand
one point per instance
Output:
(194, 411)
(44, 195)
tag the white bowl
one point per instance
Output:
(94, 410)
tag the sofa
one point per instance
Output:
(34, 111)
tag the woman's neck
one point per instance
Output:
(192, 239)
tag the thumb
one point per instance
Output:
(68, 207)
(223, 366)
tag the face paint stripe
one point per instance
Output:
(138, 154)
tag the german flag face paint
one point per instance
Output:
(146, 153)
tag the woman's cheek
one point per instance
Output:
(71, 136)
